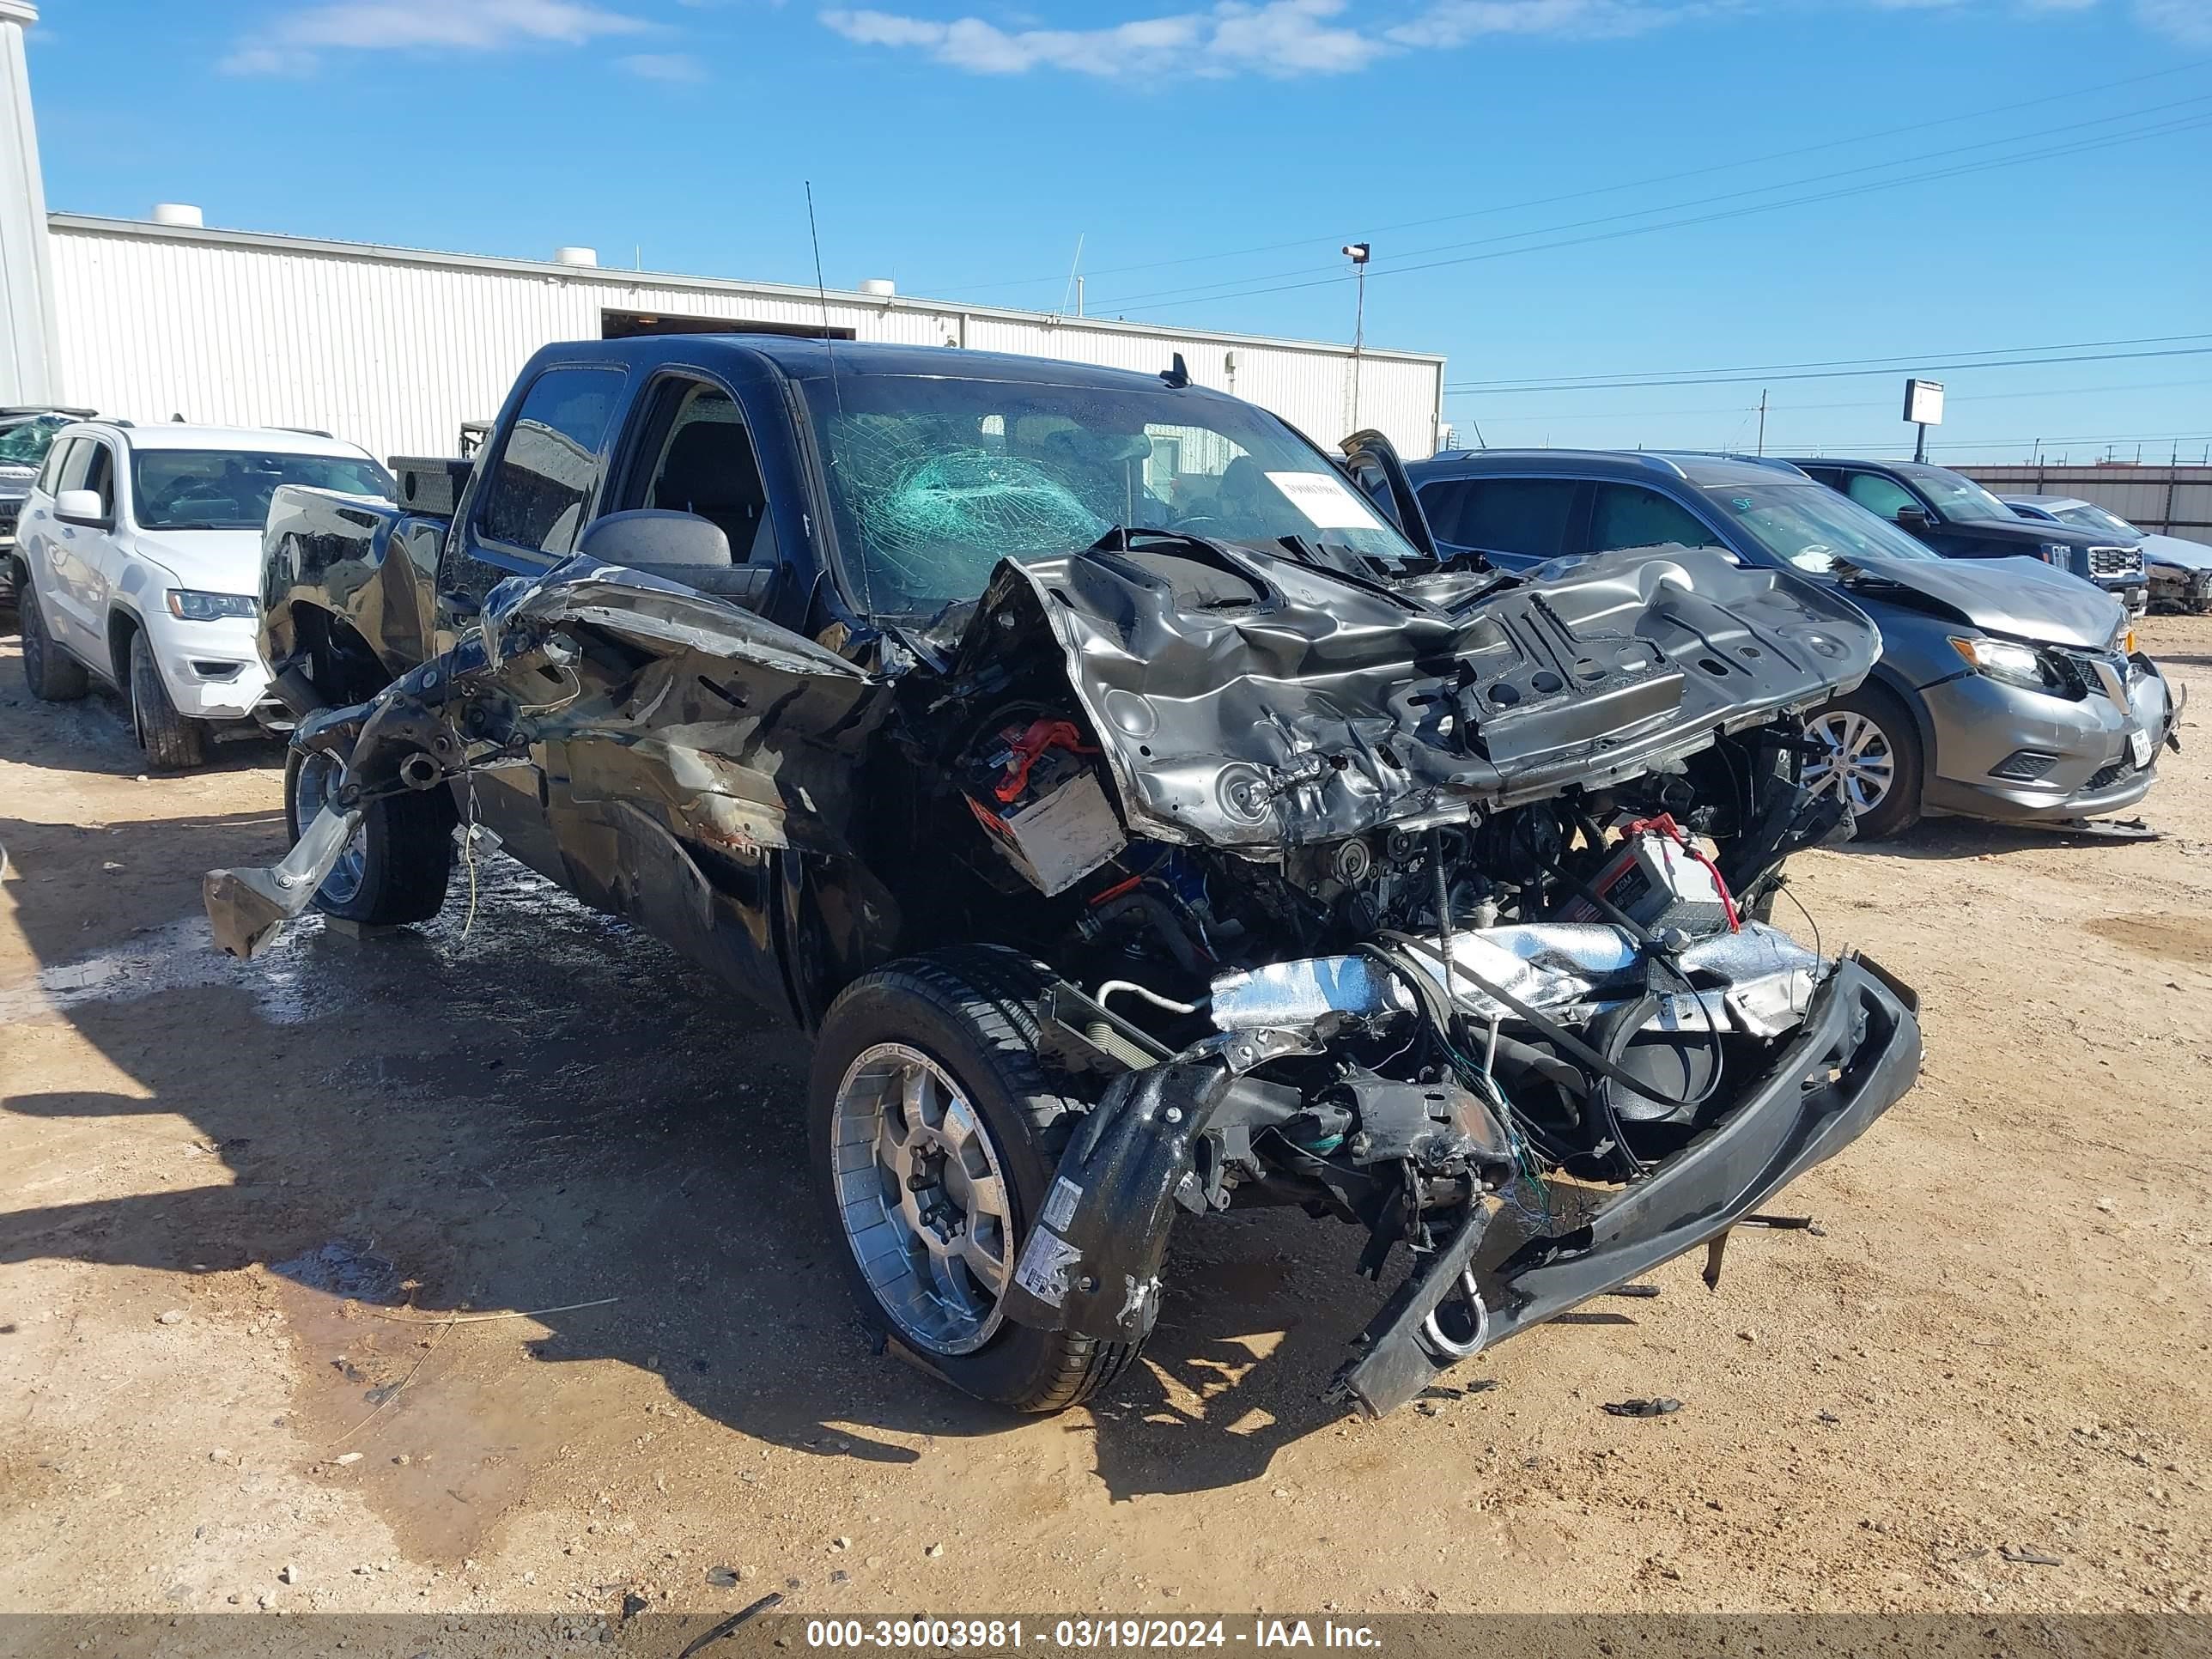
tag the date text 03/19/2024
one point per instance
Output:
(1085, 1635)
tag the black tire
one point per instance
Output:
(975, 1012)
(1900, 809)
(172, 742)
(407, 855)
(52, 674)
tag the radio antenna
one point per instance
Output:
(837, 391)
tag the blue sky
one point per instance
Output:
(2001, 176)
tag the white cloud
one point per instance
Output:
(2189, 21)
(1450, 23)
(674, 66)
(1278, 37)
(291, 44)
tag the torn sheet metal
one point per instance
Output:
(1253, 702)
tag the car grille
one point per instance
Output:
(2105, 778)
(10, 509)
(2109, 562)
(2079, 669)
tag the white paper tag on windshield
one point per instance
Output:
(1327, 501)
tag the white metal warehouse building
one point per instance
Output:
(395, 348)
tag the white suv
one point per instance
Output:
(140, 547)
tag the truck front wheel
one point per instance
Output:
(935, 1132)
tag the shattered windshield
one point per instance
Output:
(935, 479)
(25, 443)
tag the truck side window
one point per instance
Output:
(1878, 494)
(1440, 503)
(703, 463)
(1527, 516)
(1628, 515)
(550, 462)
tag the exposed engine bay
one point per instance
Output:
(1441, 907)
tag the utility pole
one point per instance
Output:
(1762, 420)
(1357, 253)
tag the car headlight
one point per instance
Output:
(2058, 553)
(2002, 661)
(190, 604)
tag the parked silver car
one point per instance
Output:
(2006, 688)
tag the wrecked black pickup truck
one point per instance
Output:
(1141, 818)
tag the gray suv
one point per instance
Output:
(2006, 688)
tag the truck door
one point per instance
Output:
(531, 497)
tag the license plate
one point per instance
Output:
(2139, 747)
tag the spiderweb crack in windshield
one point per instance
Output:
(939, 515)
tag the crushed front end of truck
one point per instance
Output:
(1434, 904)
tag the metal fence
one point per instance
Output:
(2166, 500)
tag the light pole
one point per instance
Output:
(1357, 252)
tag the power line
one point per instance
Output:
(1779, 410)
(1893, 440)
(1920, 160)
(1851, 374)
(1766, 207)
(1606, 189)
(1899, 360)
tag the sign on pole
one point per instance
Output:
(1923, 402)
(1923, 407)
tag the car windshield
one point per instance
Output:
(2087, 515)
(934, 479)
(1956, 496)
(1809, 526)
(25, 443)
(229, 489)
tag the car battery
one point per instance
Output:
(1654, 878)
(1036, 792)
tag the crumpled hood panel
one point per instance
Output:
(1250, 701)
(2026, 598)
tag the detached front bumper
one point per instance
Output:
(1854, 1058)
(1092, 1264)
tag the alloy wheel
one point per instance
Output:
(320, 777)
(923, 1198)
(1859, 764)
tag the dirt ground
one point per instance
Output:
(1983, 1382)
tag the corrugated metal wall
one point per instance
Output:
(394, 351)
(2166, 500)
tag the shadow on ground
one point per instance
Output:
(554, 1109)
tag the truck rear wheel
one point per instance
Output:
(935, 1133)
(396, 868)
